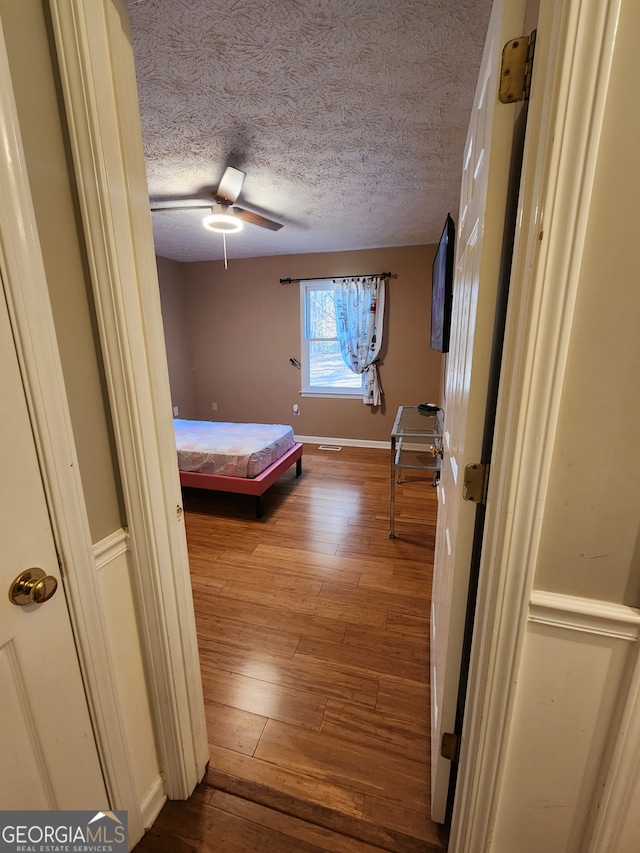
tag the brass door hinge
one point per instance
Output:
(476, 483)
(450, 746)
(516, 69)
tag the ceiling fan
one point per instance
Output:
(223, 218)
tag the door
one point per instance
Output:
(48, 756)
(479, 249)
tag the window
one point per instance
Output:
(323, 369)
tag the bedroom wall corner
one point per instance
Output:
(177, 337)
(245, 328)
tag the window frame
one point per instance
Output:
(305, 359)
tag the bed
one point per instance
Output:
(228, 457)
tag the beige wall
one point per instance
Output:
(245, 326)
(590, 544)
(177, 337)
(38, 109)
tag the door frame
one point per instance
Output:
(97, 78)
(26, 292)
(574, 53)
(100, 95)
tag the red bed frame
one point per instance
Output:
(243, 485)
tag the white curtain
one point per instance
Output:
(359, 306)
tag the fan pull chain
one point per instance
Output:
(224, 243)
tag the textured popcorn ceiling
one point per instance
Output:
(348, 116)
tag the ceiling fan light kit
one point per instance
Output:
(222, 222)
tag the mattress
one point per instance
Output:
(229, 449)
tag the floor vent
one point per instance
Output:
(334, 447)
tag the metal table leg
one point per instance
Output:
(392, 491)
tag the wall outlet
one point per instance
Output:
(175, 411)
(296, 409)
(214, 407)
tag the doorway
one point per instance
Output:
(313, 635)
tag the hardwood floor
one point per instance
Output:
(313, 632)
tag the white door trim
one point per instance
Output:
(27, 295)
(576, 39)
(100, 95)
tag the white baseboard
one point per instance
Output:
(344, 442)
(152, 803)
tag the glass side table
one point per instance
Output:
(416, 444)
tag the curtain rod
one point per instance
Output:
(330, 277)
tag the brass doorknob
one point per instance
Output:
(33, 586)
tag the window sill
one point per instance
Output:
(335, 396)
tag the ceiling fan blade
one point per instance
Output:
(230, 186)
(256, 219)
(176, 206)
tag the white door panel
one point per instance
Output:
(48, 757)
(478, 253)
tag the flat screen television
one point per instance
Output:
(442, 288)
